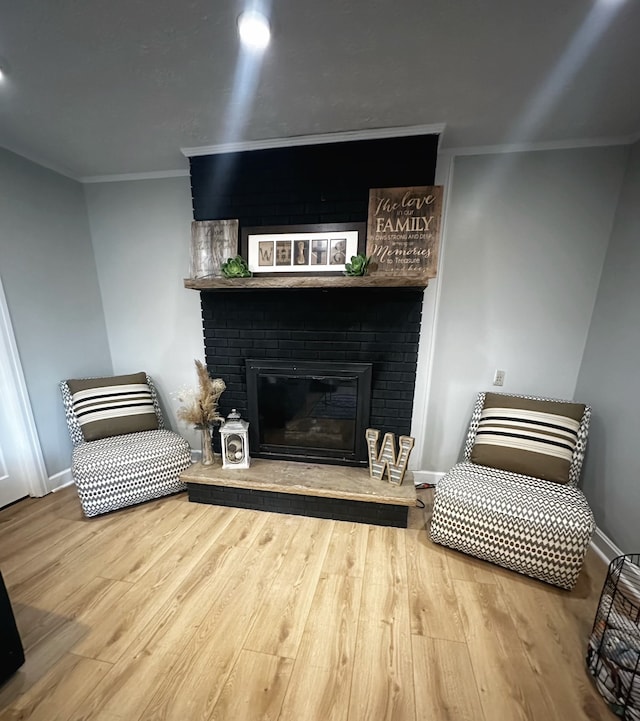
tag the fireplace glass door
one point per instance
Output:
(308, 410)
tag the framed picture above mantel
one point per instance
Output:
(310, 249)
(403, 230)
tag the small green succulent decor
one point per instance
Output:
(358, 265)
(236, 268)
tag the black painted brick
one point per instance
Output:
(279, 353)
(318, 325)
(279, 185)
(381, 514)
(269, 343)
(224, 332)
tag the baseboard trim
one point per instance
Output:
(60, 480)
(431, 477)
(604, 546)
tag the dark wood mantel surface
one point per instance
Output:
(306, 281)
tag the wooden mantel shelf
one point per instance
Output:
(306, 281)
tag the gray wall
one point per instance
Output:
(525, 239)
(50, 281)
(141, 235)
(609, 377)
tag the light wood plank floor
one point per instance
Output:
(184, 612)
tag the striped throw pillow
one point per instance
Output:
(113, 406)
(534, 438)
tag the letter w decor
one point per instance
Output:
(403, 230)
(386, 459)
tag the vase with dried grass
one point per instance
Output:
(200, 408)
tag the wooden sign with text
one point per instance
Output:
(403, 230)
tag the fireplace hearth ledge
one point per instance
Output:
(323, 491)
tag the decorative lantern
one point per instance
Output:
(234, 434)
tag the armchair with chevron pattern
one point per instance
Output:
(122, 453)
(514, 498)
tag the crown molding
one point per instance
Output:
(340, 137)
(372, 134)
(152, 175)
(543, 145)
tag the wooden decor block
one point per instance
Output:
(403, 230)
(386, 459)
(212, 243)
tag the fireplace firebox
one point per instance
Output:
(309, 410)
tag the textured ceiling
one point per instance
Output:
(99, 88)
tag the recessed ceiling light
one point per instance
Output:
(254, 30)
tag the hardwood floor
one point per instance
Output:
(185, 612)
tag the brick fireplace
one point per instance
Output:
(355, 324)
(380, 326)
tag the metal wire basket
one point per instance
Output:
(613, 654)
